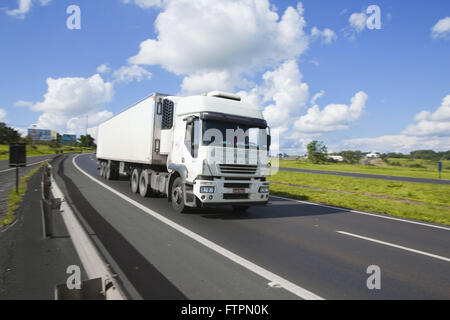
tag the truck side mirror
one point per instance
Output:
(269, 141)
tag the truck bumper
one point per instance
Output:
(232, 192)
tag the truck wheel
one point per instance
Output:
(240, 209)
(177, 197)
(101, 169)
(144, 188)
(134, 181)
(108, 170)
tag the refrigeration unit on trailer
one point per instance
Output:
(199, 151)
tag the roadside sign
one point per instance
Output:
(17, 155)
(17, 158)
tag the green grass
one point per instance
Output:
(41, 150)
(14, 199)
(429, 171)
(420, 201)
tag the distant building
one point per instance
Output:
(336, 158)
(42, 134)
(68, 139)
(373, 155)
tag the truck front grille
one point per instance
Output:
(235, 196)
(236, 185)
(238, 168)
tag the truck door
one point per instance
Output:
(191, 145)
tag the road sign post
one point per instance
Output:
(17, 158)
(440, 168)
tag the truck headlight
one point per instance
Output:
(264, 189)
(206, 189)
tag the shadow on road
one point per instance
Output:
(277, 208)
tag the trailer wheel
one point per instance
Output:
(134, 181)
(177, 197)
(240, 209)
(144, 187)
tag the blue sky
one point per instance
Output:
(276, 54)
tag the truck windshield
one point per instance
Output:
(233, 135)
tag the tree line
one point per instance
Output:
(10, 135)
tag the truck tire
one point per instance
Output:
(111, 170)
(134, 180)
(108, 170)
(240, 209)
(101, 169)
(177, 196)
(144, 187)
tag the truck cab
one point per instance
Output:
(219, 148)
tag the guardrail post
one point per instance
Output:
(48, 204)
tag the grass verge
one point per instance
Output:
(14, 199)
(419, 201)
(428, 171)
(42, 150)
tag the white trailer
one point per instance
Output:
(199, 151)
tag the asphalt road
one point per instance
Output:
(368, 176)
(325, 251)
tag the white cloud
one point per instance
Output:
(432, 124)
(283, 95)
(441, 29)
(396, 143)
(431, 131)
(74, 96)
(103, 68)
(2, 115)
(145, 4)
(204, 39)
(327, 35)
(77, 125)
(69, 100)
(205, 81)
(131, 73)
(22, 103)
(24, 6)
(333, 117)
(357, 21)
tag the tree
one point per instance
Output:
(86, 141)
(317, 151)
(8, 135)
(351, 156)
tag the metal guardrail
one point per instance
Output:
(95, 288)
(48, 203)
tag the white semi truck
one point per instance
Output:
(198, 151)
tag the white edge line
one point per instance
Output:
(365, 213)
(396, 246)
(286, 284)
(90, 258)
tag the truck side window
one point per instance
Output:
(192, 137)
(188, 136)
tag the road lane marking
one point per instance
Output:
(395, 246)
(365, 213)
(28, 165)
(273, 278)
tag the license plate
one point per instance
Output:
(238, 190)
